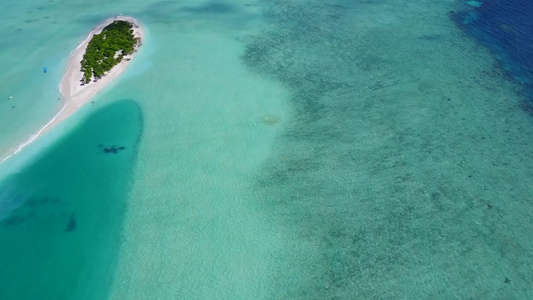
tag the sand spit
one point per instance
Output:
(73, 94)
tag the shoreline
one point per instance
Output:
(73, 94)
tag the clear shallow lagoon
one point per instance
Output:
(289, 149)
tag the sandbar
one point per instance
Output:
(74, 95)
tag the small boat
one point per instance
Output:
(10, 97)
(44, 69)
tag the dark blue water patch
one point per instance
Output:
(211, 8)
(506, 28)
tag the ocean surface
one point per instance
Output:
(272, 150)
(505, 28)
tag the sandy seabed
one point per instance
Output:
(73, 94)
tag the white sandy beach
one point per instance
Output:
(73, 94)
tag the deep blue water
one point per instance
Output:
(505, 27)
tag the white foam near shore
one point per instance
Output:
(73, 94)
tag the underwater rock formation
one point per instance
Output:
(71, 223)
(113, 149)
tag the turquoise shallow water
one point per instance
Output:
(289, 150)
(60, 231)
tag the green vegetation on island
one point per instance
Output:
(107, 49)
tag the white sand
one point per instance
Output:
(73, 94)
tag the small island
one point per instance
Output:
(107, 49)
(101, 57)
